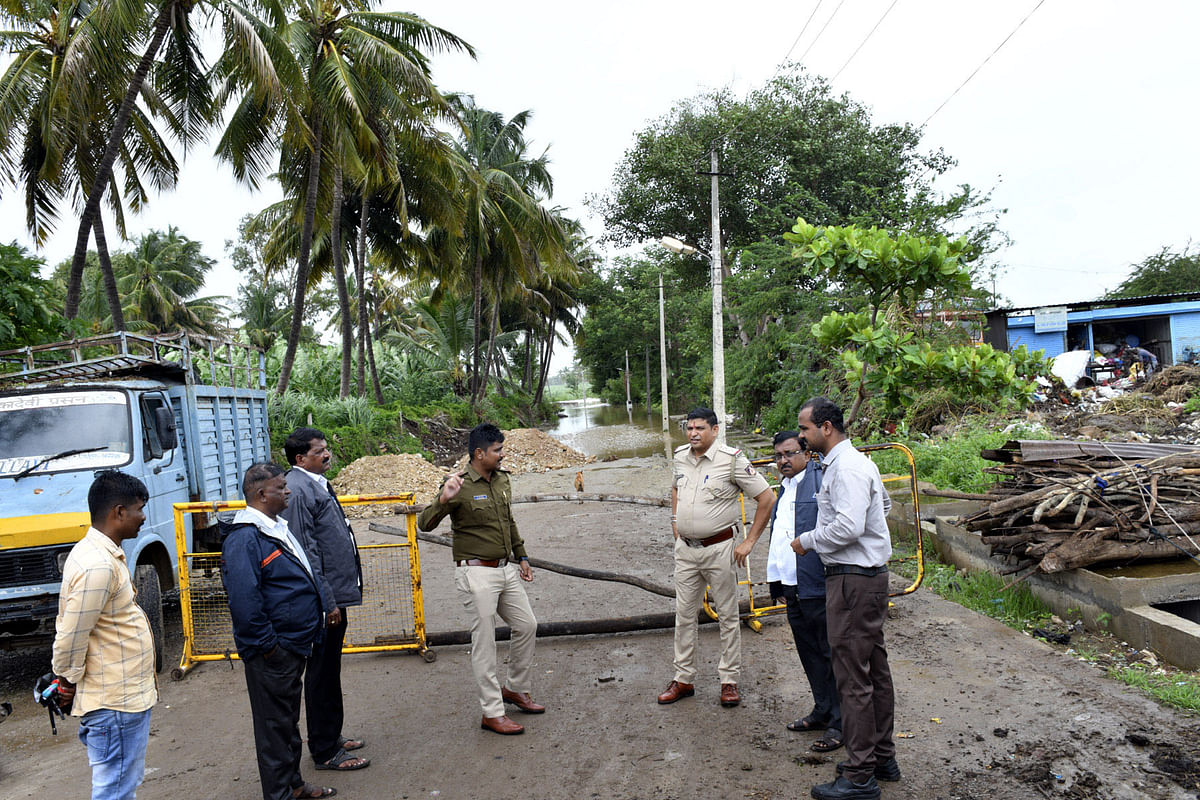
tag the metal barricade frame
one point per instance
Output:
(756, 611)
(416, 640)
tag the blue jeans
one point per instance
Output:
(116, 746)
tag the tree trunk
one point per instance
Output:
(743, 337)
(527, 376)
(360, 259)
(91, 209)
(302, 265)
(110, 279)
(487, 361)
(371, 354)
(544, 367)
(339, 277)
(477, 311)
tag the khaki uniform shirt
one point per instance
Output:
(102, 638)
(480, 518)
(707, 489)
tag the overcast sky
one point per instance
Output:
(1083, 124)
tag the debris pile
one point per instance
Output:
(1068, 504)
(532, 450)
(390, 474)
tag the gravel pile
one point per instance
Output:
(390, 474)
(532, 450)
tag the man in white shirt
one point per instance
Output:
(851, 537)
(799, 582)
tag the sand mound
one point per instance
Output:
(390, 474)
(532, 450)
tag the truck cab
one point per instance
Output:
(126, 402)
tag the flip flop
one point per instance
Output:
(310, 790)
(807, 724)
(341, 762)
(352, 743)
(827, 743)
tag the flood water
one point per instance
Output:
(612, 431)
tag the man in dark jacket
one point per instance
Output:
(317, 520)
(800, 582)
(275, 604)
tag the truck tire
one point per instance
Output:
(149, 597)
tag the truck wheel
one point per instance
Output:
(149, 597)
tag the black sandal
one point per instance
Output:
(808, 723)
(313, 791)
(830, 741)
(340, 762)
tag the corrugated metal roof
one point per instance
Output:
(1140, 300)
(1038, 450)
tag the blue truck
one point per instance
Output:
(186, 414)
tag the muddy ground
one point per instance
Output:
(983, 711)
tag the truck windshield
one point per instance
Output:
(33, 427)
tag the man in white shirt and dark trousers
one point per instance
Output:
(317, 520)
(851, 537)
(799, 581)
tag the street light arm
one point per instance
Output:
(681, 247)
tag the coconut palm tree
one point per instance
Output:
(506, 226)
(253, 61)
(363, 67)
(50, 98)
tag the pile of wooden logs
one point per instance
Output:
(1064, 505)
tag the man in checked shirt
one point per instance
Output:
(103, 648)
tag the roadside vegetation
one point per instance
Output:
(1014, 605)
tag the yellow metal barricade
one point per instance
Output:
(391, 617)
(757, 611)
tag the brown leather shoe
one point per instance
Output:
(501, 725)
(729, 695)
(521, 700)
(675, 691)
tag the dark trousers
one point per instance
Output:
(807, 618)
(274, 686)
(856, 606)
(323, 694)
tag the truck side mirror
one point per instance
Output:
(164, 424)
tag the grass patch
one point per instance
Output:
(952, 461)
(983, 592)
(1179, 690)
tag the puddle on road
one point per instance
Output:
(609, 432)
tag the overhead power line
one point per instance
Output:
(864, 41)
(817, 38)
(983, 63)
(778, 66)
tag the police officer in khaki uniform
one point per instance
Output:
(704, 513)
(490, 564)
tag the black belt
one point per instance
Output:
(853, 569)
(482, 562)
(716, 538)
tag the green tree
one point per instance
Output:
(362, 67)
(790, 149)
(26, 316)
(171, 60)
(1165, 272)
(51, 97)
(885, 359)
(159, 279)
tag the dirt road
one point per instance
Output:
(984, 711)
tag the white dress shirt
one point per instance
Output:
(781, 558)
(277, 529)
(852, 509)
(319, 479)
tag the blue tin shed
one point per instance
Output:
(1166, 325)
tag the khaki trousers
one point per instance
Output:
(696, 567)
(487, 592)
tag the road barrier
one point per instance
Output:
(391, 617)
